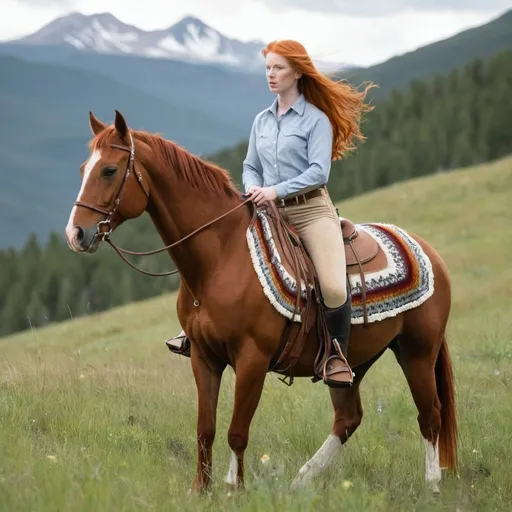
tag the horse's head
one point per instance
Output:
(114, 187)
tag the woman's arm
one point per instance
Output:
(252, 173)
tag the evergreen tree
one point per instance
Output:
(435, 125)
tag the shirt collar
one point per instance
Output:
(298, 106)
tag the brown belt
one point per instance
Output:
(302, 198)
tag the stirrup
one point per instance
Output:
(342, 369)
(179, 344)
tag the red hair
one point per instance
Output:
(340, 101)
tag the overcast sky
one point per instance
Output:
(361, 32)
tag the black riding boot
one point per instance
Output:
(337, 372)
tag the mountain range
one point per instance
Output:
(48, 86)
(442, 56)
(44, 132)
(189, 40)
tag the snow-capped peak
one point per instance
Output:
(190, 40)
(97, 32)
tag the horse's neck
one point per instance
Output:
(177, 209)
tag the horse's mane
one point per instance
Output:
(203, 175)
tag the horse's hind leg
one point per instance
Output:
(348, 413)
(419, 370)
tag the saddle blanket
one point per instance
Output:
(405, 282)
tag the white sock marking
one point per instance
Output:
(432, 467)
(318, 462)
(232, 476)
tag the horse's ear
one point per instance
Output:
(96, 125)
(120, 124)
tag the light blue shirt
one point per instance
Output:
(291, 153)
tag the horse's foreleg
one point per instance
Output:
(347, 417)
(208, 384)
(348, 413)
(251, 368)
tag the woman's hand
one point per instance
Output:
(262, 195)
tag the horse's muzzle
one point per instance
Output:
(83, 239)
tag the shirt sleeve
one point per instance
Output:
(319, 160)
(252, 173)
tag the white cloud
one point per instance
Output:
(373, 8)
(349, 39)
(49, 3)
(347, 7)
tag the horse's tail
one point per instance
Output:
(448, 435)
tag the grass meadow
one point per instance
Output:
(97, 415)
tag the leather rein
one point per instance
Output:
(105, 235)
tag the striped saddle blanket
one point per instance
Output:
(402, 279)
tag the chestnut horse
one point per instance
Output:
(203, 218)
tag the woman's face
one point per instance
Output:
(280, 74)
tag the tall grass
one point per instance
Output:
(96, 414)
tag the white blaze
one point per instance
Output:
(89, 166)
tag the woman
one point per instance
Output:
(311, 122)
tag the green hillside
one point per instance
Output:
(206, 88)
(96, 414)
(44, 132)
(439, 57)
(60, 94)
(432, 127)
(230, 96)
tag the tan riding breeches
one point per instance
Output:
(319, 228)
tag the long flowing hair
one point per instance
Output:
(339, 100)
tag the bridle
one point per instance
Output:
(104, 236)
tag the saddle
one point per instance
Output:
(360, 250)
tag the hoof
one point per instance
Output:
(232, 490)
(433, 488)
(196, 489)
(299, 482)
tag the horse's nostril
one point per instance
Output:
(79, 234)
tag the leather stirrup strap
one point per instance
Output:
(296, 333)
(363, 281)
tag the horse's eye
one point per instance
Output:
(109, 171)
